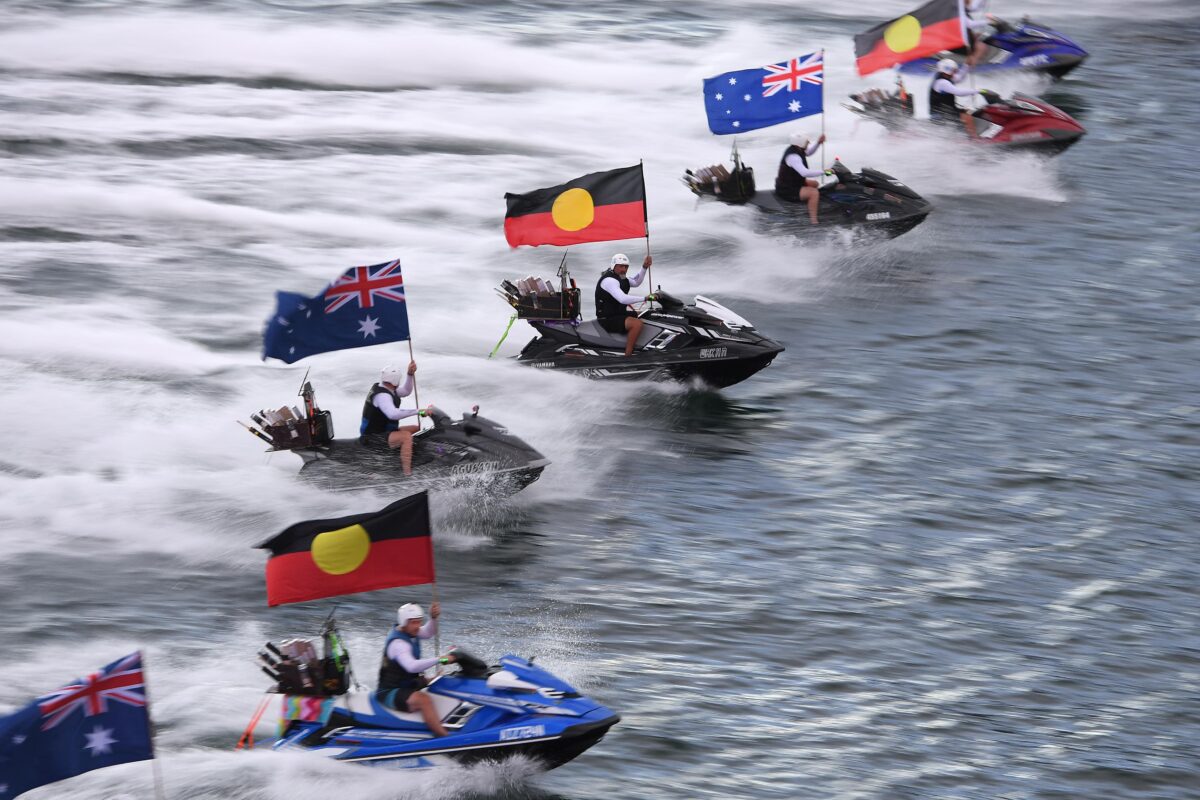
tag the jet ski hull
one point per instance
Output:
(529, 713)
(1019, 123)
(878, 222)
(677, 344)
(869, 202)
(473, 451)
(1024, 46)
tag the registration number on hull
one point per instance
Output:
(524, 732)
(714, 352)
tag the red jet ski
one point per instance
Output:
(1020, 122)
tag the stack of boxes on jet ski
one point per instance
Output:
(296, 669)
(288, 429)
(535, 298)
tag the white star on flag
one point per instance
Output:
(19, 738)
(100, 740)
(746, 97)
(732, 81)
(794, 106)
(737, 124)
(368, 326)
(720, 96)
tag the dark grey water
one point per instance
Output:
(945, 547)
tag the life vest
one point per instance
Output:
(374, 420)
(789, 182)
(391, 674)
(942, 104)
(606, 304)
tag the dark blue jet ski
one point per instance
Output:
(1025, 46)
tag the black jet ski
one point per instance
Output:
(468, 451)
(704, 341)
(868, 201)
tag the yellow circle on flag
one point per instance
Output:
(573, 210)
(903, 34)
(341, 551)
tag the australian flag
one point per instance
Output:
(94, 722)
(758, 98)
(363, 307)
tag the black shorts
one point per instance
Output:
(396, 698)
(614, 324)
(377, 441)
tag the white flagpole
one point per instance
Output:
(159, 790)
(416, 397)
(822, 108)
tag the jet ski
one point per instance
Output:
(1018, 123)
(704, 341)
(491, 713)
(1025, 46)
(468, 451)
(868, 201)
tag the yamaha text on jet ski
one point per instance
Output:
(472, 451)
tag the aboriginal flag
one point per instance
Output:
(595, 208)
(936, 26)
(360, 553)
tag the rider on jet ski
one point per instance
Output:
(943, 93)
(382, 414)
(794, 179)
(978, 21)
(400, 678)
(612, 299)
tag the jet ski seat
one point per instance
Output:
(591, 333)
(367, 707)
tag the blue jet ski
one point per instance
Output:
(490, 713)
(1025, 46)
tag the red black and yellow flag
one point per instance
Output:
(359, 553)
(595, 208)
(936, 26)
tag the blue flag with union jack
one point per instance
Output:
(749, 99)
(94, 722)
(365, 306)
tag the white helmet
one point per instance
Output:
(801, 139)
(620, 258)
(947, 65)
(392, 374)
(409, 611)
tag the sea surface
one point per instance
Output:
(946, 546)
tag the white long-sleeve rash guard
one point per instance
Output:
(611, 286)
(401, 652)
(944, 85)
(795, 163)
(383, 401)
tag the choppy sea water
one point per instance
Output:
(944, 547)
